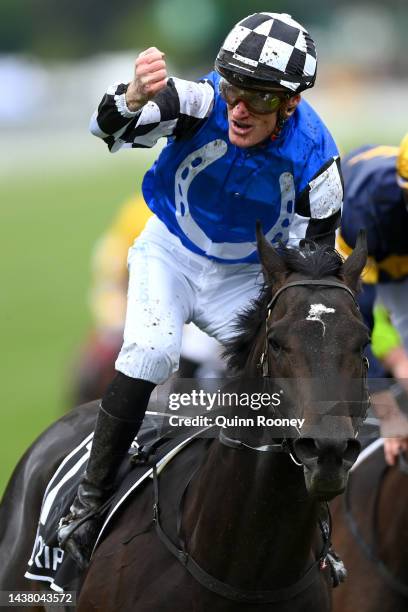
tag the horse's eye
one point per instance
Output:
(274, 344)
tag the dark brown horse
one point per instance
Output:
(21, 503)
(371, 534)
(250, 515)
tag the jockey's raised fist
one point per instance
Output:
(150, 77)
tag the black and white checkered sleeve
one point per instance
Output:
(318, 207)
(176, 111)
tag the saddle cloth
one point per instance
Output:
(48, 563)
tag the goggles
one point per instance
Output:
(260, 102)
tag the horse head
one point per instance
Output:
(314, 337)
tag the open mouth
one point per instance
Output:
(240, 128)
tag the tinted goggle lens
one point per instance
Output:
(256, 101)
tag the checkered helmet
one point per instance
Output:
(268, 50)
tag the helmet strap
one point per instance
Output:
(284, 113)
(280, 122)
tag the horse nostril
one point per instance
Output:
(352, 451)
(343, 450)
(306, 448)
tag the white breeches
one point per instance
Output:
(170, 286)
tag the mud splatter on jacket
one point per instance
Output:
(209, 192)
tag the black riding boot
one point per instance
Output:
(119, 419)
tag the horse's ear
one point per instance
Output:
(273, 267)
(354, 264)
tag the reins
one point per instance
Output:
(224, 589)
(179, 550)
(279, 447)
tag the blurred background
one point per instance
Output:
(60, 188)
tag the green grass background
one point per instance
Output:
(50, 220)
(51, 213)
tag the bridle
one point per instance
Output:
(179, 550)
(263, 364)
(213, 584)
(325, 284)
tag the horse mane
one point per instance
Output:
(312, 261)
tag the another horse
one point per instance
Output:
(250, 515)
(371, 534)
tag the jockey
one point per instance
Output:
(241, 146)
(376, 199)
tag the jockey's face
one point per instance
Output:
(247, 129)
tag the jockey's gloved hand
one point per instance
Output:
(402, 163)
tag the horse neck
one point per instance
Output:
(248, 519)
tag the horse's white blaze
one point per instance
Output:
(315, 314)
